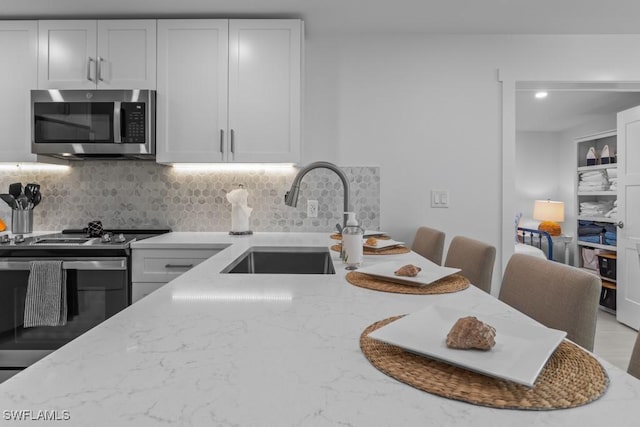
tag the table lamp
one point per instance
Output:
(550, 213)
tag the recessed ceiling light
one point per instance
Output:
(541, 95)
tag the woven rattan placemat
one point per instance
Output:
(571, 377)
(452, 283)
(396, 250)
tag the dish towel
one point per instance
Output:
(46, 301)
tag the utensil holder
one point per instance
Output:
(21, 221)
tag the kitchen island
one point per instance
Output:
(212, 349)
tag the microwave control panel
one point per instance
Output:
(133, 119)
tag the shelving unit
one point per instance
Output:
(597, 141)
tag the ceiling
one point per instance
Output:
(562, 110)
(368, 16)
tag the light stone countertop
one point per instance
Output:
(210, 349)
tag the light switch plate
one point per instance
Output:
(439, 198)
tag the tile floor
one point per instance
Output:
(614, 341)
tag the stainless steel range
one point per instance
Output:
(97, 284)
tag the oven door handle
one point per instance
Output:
(84, 265)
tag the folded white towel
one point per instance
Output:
(612, 172)
(593, 183)
(46, 301)
(600, 187)
(592, 213)
(600, 207)
(594, 178)
(597, 208)
(591, 173)
(600, 203)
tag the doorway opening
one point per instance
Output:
(540, 155)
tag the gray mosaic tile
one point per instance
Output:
(130, 194)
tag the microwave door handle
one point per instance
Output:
(118, 122)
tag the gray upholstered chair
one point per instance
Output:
(474, 258)
(634, 363)
(429, 243)
(557, 295)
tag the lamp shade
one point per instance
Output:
(547, 210)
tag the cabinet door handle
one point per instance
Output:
(99, 69)
(222, 140)
(620, 224)
(89, 69)
(233, 142)
(178, 266)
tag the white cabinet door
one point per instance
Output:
(109, 54)
(628, 261)
(153, 268)
(18, 75)
(192, 90)
(67, 54)
(126, 54)
(264, 90)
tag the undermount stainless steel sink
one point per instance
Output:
(283, 260)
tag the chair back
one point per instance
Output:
(474, 258)
(429, 243)
(557, 295)
(634, 363)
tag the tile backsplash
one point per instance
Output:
(143, 194)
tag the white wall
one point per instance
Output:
(423, 108)
(546, 169)
(428, 110)
(540, 170)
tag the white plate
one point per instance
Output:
(373, 233)
(521, 350)
(430, 272)
(383, 244)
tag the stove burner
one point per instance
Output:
(115, 242)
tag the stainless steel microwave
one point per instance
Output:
(93, 124)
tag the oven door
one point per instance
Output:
(96, 290)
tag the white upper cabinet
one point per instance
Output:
(105, 54)
(18, 75)
(229, 90)
(264, 90)
(192, 90)
(127, 54)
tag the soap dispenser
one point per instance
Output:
(352, 243)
